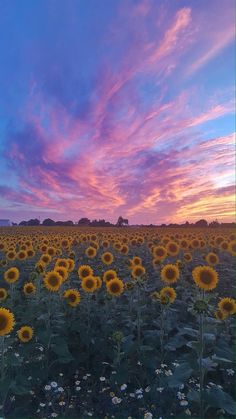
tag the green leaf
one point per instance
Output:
(216, 397)
(181, 374)
(176, 342)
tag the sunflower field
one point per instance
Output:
(122, 323)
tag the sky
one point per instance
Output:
(117, 107)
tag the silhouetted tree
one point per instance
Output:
(33, 222)
(23, 223)
(64, 223)
(201, 223)
(84, 222)
(214, 224)
(48, 222)
(122, 221)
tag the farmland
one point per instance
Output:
(117, 322)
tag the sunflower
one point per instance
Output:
(21, 255)
(124, 249)
(138, 271)
(232, 248)
(155, 296)
(3, 294)
(51, 251)
(212, 259)
(156, 263)
(107, 258)
(7, 321)
(172, 248)
(159, 252)
(90, 252)
(62, 263)
(71, 264)
(40, 267)
(170, 273)
(25, 333)
(108, 275)
(72, 296)
(62, 271)
(89, 284)
(115, 287)
(30, 253)
(195, 243)
(205, 277)
(65, 243)
(136, 260)
(52, 281)
(184, 244)
(168, 292)
(84, 271)
(227, 306)
(29, 288)
(11, 255)
(45, 258)
(188, 257)
(99, 281)
(224, 245)
(220, 315)
(11, 275)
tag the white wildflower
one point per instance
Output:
(116, 400)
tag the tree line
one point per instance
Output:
(120, 223)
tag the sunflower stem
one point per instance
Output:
(138, 317)
(162, 331)
(201, 370)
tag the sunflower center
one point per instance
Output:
(11, 275)
(227, 306)
(3, 322)
(85, 273)
(138, 272)
(170, 273)
(89, 283)
(115, 288)
(206, 277)
(72, 298)
(25, 334)
(53, 280)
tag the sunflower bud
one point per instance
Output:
(200, 306)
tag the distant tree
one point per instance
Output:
(33, 222)
(64, 223)
(48, 222)
(122, 221)
(214, 223)
(14, 224)
(68, 223)
(201, 223)
(84, 222)
(23, 223)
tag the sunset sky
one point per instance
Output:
(117, 107)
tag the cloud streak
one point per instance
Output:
(117, 133)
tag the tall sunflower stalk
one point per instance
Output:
(206, 278)
(201, 369)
